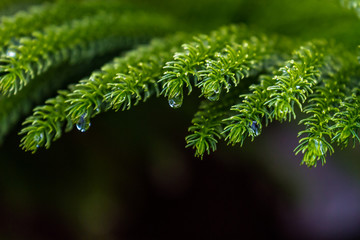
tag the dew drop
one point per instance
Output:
(255, 128)
(38, 139)
(215, 96)
(320, 148)
(83, 124)
(11, 53)
(297, 87)
(176, 101)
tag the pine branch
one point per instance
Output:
(318, 79)
(16, 106)
(234, 63)
(185, 67)
(348, 120)
(250, 113)
(123, 80)
(208, 125)
(295, 80)
(323, 106)
(275, 97)
(73, 42)
(46, 124)
(96, 94)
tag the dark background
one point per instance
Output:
(129, 177)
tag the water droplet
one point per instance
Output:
(176, 101)
(255, 128)
(297, 87)
(215, 96)
(83, 124)
(38, 139)
(321, 149)
(10, 53)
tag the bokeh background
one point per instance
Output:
(131, 177)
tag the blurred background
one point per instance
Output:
(131, 177)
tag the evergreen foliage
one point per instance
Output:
(247, 77)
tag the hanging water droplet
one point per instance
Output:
(176, 101)
(320, 147)
(255, 128)
(215, 96)
(38, 139)
(10, 53)
(297, 87)
(83, 124)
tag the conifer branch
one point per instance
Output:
(295, 80)
(184, 69)
(347, 120)
(208, 125)
(46, 124)
(275, 97)
(133, 76)
(95, 94)
(318, 79)
(250, 113)
(323, 105)
(73, 42)
(234, 63)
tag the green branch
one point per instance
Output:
(73, 42)
(208, 125)
(184, 69)
(99, 92)
(46, 124)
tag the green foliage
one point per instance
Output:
(324, 125)
(73, 42)
(208, 126)
(247, 122)
(93, 32)
(209, 59)
(37, 18)
(347, 121)
(278, 78)
(132, 77)
(45, 125)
